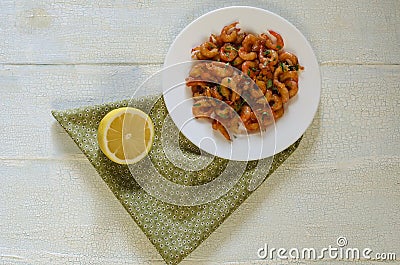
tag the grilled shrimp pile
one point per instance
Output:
(244, 79)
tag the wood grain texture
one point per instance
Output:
(121, 31)
(343, 180)
(354, 183)
(351, 112)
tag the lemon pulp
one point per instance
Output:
(125, 135)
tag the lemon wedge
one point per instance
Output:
(125, 135)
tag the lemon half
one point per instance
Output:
(125, 135)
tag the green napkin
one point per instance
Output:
(174, 230)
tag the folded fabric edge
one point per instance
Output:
(291, 150)
(57, 114)
(54, 114)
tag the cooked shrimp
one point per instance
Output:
(289, 75)
(267, 71)
(282, 90)
(250, 68)
(202, 108)
(247, 56)
(288, 57)
(246, 51)
(219, 127)
(197, 95)
(268, 57)
(195, 82)
(208, 49)
(292, 87)
(279, 113)
(268, 95)
(196, 70)
(245, 84)
(253, 116)
(206, 76)
(228, 82)
(256, 93)
(230, 33)
(252, 126)
(238, 61)
(196, 77)
(216, 58)
(265, 115)
(259, 120)
(216, 40)
(250, 42)
(215, 94)
(278, 45)
(245, 113)
(278, 71)
(261, 85)
(202, 112)
(225, 92)
(196, 54)
(219, 69)
(228, 53)
(240, 38)
(275, 102)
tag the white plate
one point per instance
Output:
(299, 111)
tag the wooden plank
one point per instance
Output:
(61, 212)
(93, 32)
(66, 214)
(342, 180)
(312, 207)
(358, 114)
(29, 93)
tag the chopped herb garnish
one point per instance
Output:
(253, 69)
(269, 83)
(248, 72)
(230, 48)
(196, 105)
(234, 136)
(294, 67)
(278, 47)
(229, 80)
(266, 52)
(282, 66)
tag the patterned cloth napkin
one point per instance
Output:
(174, 230)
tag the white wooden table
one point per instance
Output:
(344, 179)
